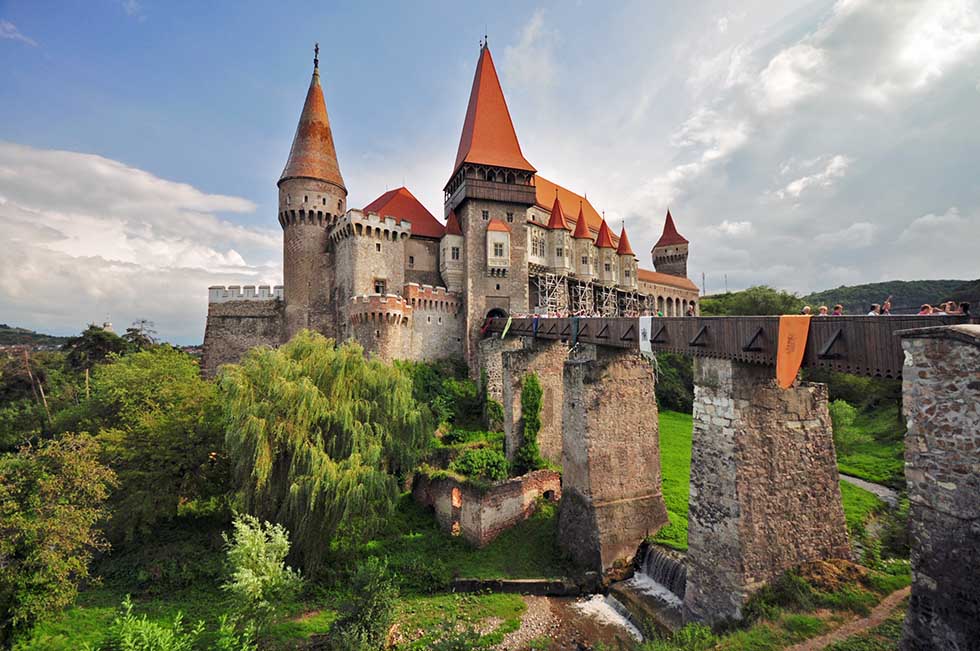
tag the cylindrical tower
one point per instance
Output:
(312, 196)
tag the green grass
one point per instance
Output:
(877, 454)
(430, 613)
(859, 504)
(884, 637)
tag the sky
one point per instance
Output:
(803, 145)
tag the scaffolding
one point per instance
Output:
(629, 304)
(583, 300)
(552, 294)
(608, 301)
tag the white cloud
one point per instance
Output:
(133, 9)
(856, 236)
(530, 63)
(9, 31)
(835, 169)
(90, 236)
(791, 76)
(734, 228)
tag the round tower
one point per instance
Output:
(312, 195)
(670, 252)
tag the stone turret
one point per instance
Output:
(559, 240)
(582, 243)
(451, 255)
(608, 262)
(670, 252)
(627, 263)
(312, 196)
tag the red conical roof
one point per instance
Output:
(670, 235)
(402, 204)
(557, 216)
(313, 154)
(582, 227)
(604, 239)
(488, 134)
(452, 224)
(624, 244)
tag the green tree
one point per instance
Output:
(93, 346)
(481, 463)
(51, 499)
(369, 613)
(527, 457)
(754, 301)
(319, 436)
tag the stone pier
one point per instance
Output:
(765, 495)
(490, 351)
(941, 399)
(546, 359)
(611, 493)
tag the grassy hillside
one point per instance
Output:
(907, 296)
(10, 336)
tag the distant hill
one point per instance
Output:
(11, 336)
(907, 295)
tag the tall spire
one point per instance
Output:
(313, 154)
(604, 239)
(582, 226)
(624, 244)
(670, 235)
(488, 136)
(557, 219)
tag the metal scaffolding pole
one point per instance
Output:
(583, 300)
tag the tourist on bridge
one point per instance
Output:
(822, 310)
(875, 310)
(838, 310)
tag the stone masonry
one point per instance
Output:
(235, 326)
(546, 359)
(941, 398)
(491, 364)
(611, 486)
(765, 495)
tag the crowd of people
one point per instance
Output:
(945, 308)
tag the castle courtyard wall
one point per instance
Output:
(546, 359)
(236, 326)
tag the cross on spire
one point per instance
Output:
(316, 56)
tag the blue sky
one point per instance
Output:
(799, 144)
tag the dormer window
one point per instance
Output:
(498, 249)
(455, 251)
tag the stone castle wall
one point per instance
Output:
(235, 326)
(547, 360)
(491, 365)
(941, 399)
(422, 261)
(765, 495)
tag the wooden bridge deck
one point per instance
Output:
(863, 345)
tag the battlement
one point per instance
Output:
(222, 294)
(389, 308)
(356, 223)
(427, 297)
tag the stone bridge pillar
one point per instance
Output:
(611, 493)
(941, 398)
(546, 358)
(490, 354)
(764, 485)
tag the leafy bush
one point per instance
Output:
(483, 463)
(754, 301)
(261, 582)
(527, 457)
(369, 613)
(495, 414)
(675, 382)
(846, 436)
(131, 633)
(421, 573)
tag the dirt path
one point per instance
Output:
(877, 616)
(885, 494)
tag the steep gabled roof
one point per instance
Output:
(582, 231)
(557, 219)
(452, 224)
(660, 278)
(402, 204)
(544, 195)
(670, 235)
(313, 154)
(497, 225)
(624, 244)
(488, 136)
(604, 239)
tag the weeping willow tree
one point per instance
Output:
(318, 436)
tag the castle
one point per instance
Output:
(407, 286)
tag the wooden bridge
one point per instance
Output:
(863, 345)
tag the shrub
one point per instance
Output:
(261, 582)
(846, 436)
(370, 612)
(495, 415)
(527, 457)
(131, 633)
(675, 382)
(482, 463)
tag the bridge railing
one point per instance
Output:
(863, 345)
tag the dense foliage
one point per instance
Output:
(527, 457)
(675, 382)
(481, 463)
(754, 301)
(444, 388)
(11, 335)
(370, 613)
(319, 436)
(51, 500)
(907, 296)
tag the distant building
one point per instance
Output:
(406, 285)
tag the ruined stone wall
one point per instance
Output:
(481, 515)
(941, 400)
(765, 495)
(422, 261)
(490, 363)
(611, 488)
(234, 327)
(547, 360)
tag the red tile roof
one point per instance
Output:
(488, 133)
(670, 235)
(402, 204)
(624, 244)
(557, 219)
(452, 224)
(313, 154)
(497, 225)
(604, 240)
(647, 276)
(582, 231)
(545, 192)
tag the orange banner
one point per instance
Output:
(793, 330)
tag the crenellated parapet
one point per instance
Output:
(427, 297)
(356, 223)
(222, 294)
(379, 308)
